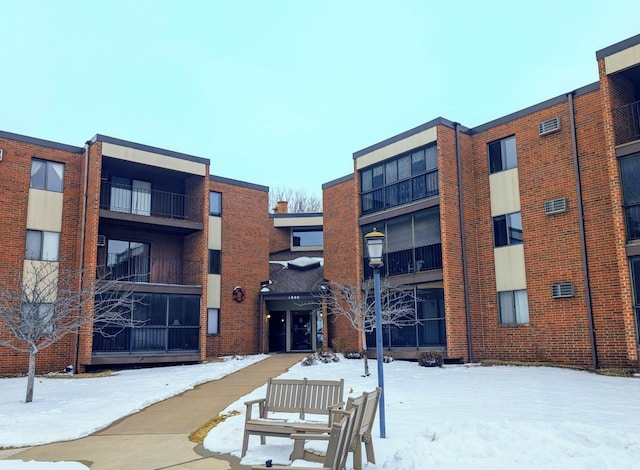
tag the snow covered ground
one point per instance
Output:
(451, 418)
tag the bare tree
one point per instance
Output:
(46, 304)
(356, 305)
(300, 200)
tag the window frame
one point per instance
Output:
(504, 228)
(520, 317)
(213, 328)
(217, 203)
(215, 262)
(506, 159)
(49, 169)
(43, 235)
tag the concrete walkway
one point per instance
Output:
(158, 436)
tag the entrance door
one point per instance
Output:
(301, 330)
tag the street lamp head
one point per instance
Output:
(375, 248)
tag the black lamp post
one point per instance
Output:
(375, 247)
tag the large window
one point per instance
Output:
(502, 154)
(514, 307)
(306, 238)
(507, 229)
(412, 243)
(128, 260)
(130, 196)
(630, 175)
(215, 203)
(403, 179)
(635, 279)
(42, 246)
(47, 175)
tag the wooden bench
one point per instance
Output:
(366, 406)
(299, 396)
(335, 458)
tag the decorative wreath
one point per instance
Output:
(239, 294)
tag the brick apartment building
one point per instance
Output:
(519, 238)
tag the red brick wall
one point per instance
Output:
(15, 171)
(245, 262)
(342, 252)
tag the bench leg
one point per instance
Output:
(357, 457)
(245, 443)
(368, 444)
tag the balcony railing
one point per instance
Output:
(151, 269)
(150, 202)
(626, 122)
(421, 258)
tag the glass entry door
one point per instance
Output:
(301, 331)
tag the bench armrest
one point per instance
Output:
(249, 404)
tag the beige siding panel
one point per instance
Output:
(215, 233)
(505, 192)
(396, 148)
(213, 291)
(48, 272)
(510, 269)
(623, 59)
(44, 211)
(153, 159)
(298, 221)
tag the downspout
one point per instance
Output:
(463, 244)
(82, 238)
(583, 240)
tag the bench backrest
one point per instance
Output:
(303, 396)
(369, 413)
(339, 439)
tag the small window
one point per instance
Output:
(507, 229)
(213, 321)
(214, 262)
(514, 307)
(502, 155)
(38, 319)
(215, 203)
(42, 246)
(306, 238)
(47, 175)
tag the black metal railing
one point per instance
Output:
(427, 333)
(147, 339)
(150, 269)
(412, 260)
(150, 202)
(638, 324)
(402, 192)
(626, 123)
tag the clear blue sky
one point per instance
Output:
(281, 93)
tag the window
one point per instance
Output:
(409, 177)
(128, 260)
(630, 176)
(514, 307)
(130, 196)
(507, 229)
(47, 175)
(502, 155)
(42, 246)
(213, 321)
(306, 238)
(37, 319)
(215, 203)
(214, 262)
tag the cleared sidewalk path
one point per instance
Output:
(158, 436)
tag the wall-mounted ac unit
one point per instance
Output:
(102, 240)
(0, 155)
(104, 176)
(555, 206)
(549, 126)
(561, 291)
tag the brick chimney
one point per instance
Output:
(281, 208)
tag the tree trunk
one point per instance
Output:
(31, 374)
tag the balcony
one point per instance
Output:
(143, 201)
(147, 339)
(147, 269)
(626, 121)
(412, 260)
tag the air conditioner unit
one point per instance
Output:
(555, 206)
(0, 155)
(549, 126)
(102, 240)
(104, 175)
(561, 291)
